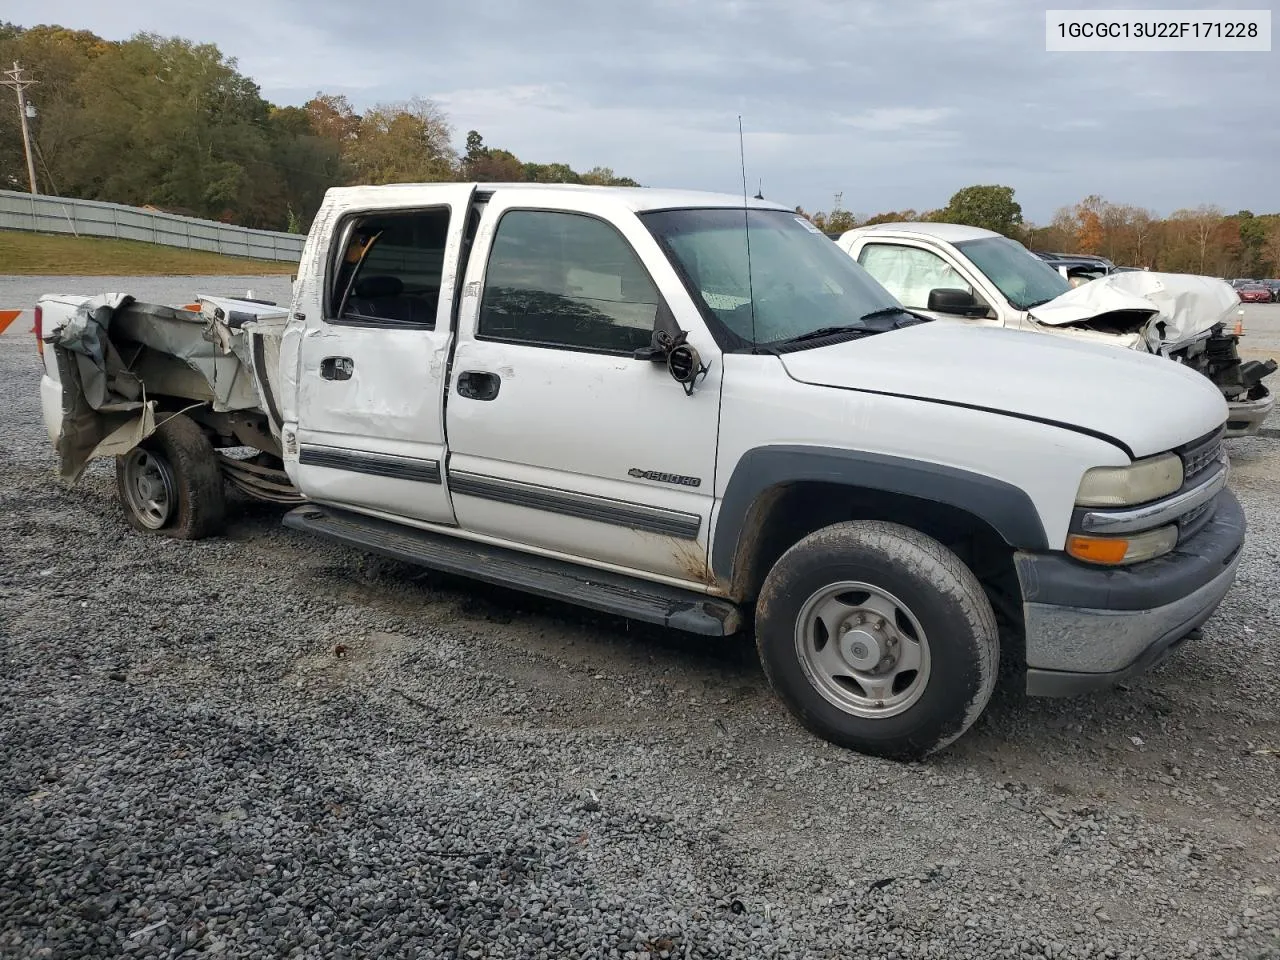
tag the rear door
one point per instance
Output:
(372, 368)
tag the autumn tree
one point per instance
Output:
(332, 117)
(1090, 233)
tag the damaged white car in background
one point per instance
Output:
(955, 272)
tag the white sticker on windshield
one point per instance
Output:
(807, 225)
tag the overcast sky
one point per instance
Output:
(894, 103)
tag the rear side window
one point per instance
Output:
(566, 280)
(389, 273)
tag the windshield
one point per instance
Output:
(801, 281)
(1024, 279)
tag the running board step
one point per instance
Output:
(598, 589)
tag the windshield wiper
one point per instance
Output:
(1036, 303)
(821, 332)
(908, 316)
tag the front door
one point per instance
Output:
(910, 272)
(372, 369)
(559, 438)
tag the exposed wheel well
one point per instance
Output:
(786, 513)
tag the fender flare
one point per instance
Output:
(1006, 508)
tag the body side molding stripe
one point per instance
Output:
(374, 464)
(620, 513)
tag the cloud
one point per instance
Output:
(894, 119)
(895, 105)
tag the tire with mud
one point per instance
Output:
(878, 638)
(170, 484)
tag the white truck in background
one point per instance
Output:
(961, 273)
(598, 394)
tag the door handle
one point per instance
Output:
(478, 385)
(336, 368)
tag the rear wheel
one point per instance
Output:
(878, 638)
(170, 484)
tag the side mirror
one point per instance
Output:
(958, 302)
(668, 346)
(686, 367)
(684, 363)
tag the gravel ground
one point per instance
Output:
(266, 745)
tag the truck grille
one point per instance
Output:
(1200, 455)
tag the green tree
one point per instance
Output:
(988, 206)
(404, 142)
(605, 177)
(893, 216)
(1252, 261)
(838, 221)
(497, 166)
(550, 173)
(1271, 248)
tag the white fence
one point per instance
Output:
(25, 211)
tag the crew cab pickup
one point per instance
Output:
(955, 272)
(688, 409)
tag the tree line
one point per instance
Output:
(1202, 240)
(166, 123)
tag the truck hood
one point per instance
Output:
(1176, 307)
(1146, 403)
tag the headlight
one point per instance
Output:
(1113, 551)
(1139, 482)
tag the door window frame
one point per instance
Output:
(662, 307)
(342, 237)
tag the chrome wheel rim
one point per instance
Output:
(149, 488)
(862, 649)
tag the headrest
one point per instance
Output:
(373, 288)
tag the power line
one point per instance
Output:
(19, 82)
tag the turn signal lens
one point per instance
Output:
(1114, 551)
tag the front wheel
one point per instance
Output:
(170, 484)
(878, 638)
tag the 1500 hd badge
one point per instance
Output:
(664, 477)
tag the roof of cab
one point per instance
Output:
(947, 232)
(632, 198)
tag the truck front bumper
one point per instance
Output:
(1090, 627)
(1245, 417)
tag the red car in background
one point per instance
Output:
(1253, 293)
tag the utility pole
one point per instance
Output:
(18, 81)
(839, 200)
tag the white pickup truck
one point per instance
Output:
(954, 272)
(687, 409)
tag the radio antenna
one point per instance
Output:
(746, 226)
